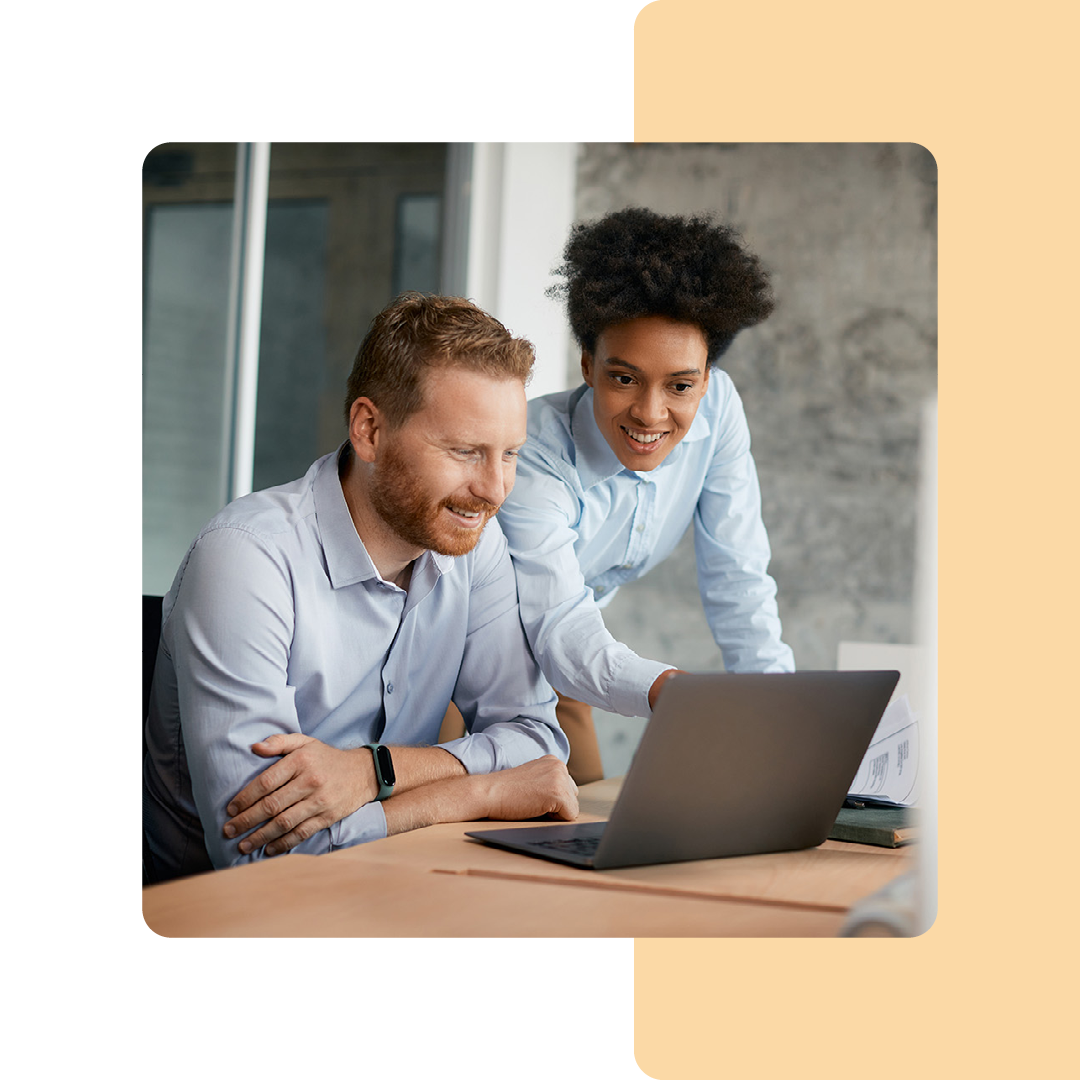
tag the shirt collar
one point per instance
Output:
(593, 457)
(347, 560)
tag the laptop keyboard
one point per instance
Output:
(575, 845)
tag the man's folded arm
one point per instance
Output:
(538, 787)
(229, 633)
(251, 765)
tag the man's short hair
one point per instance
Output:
(416, 333)
(635, 262)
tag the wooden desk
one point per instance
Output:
(830, 877)
(318, 896)
(435, 882)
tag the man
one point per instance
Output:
(616, 470)
(329, 622)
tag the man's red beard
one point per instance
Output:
(400, 500)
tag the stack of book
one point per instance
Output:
(863, 821)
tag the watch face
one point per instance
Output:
(386, 766)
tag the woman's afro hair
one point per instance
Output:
(635, 262)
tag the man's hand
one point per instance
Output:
(311, 787)
(654, 690)
(531, 790)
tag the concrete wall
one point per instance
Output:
(832, 383)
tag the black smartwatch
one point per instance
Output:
(384, 769)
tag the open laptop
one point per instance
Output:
(728, 765)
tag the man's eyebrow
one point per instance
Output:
(468, 444)
(612, 361)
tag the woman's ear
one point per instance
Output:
(586, 367)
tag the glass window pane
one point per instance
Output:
(186, 300)
(292, 340)
(349, 225)
(416, 248)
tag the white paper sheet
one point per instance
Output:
(890, 769)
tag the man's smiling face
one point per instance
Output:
(648, 377)
(444, 473)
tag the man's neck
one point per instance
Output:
(392, 556)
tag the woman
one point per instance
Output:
(615, 470)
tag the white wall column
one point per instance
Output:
(522, 206)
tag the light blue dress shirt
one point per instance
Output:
(278, 621)
(580, 525)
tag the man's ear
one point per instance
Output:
(586, 367)
(366, 424)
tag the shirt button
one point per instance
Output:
(640, 528)
(389, 687)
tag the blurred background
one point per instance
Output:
(833, 383)
(264, 264)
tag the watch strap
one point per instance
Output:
(385, 777)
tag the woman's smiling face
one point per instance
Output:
(648, 376)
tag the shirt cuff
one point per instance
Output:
(503, 747)
(359, 827)
(633, 680)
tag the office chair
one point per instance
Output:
(151, 634)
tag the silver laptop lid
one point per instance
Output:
(737, 764)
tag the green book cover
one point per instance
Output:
(884, 826)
